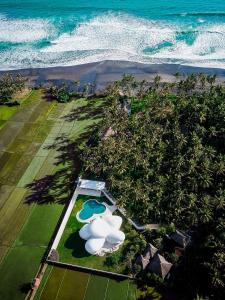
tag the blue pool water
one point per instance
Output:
(90, 208)
(40, 33)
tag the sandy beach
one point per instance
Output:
(102, 73)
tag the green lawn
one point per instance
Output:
(64, 284)
(6, 112)
(71, 247)
(18, 270)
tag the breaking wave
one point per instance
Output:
(112, 37)
(24, 30)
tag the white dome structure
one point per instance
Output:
(93, 246)
(84, 232)
(114, 221)
(115, 237)
(99, 228)
(102, 235)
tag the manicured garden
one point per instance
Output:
(67, 284)
(71, 248)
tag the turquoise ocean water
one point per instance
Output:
(41, 33)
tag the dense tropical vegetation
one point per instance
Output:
(165, 163)
(9, 85)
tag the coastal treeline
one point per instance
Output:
(161, 150)
(9, 86)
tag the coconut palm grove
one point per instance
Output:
(158, 151)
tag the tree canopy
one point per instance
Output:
(9, 85)
(165, 163)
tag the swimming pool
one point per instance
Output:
(90, 208)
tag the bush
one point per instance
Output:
(9, 85)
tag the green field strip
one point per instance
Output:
(47, 169)
(18, 145)
(41, 111)
(33, 148)
(17, 271)
(3, 251)
(6, 112)
(73, 286)
(10, 232)
(54, 132)
(5, 191)
(46, 147)
(117, 290)
(42, 132)
(10, 206)
(4, 158)
(31, 171)
(29, 130)
(55, 113)
(8, 133)
(43, 283)
(132, 290)
(51, 288)
(15, 175)
(9, 165)
(42, 221)
(66, 129)
(23, 115)
(2, 123)
(96, 288)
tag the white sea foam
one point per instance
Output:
(208, 45)
(114, 37)
(114, 32)
(24, 30)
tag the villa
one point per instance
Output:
(103, 235)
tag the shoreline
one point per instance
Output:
(103, 73)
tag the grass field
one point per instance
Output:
(71, 247)
(64, 284)
(33, 189)
(6, 112)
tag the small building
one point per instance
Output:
(103, 235)
(143, 259)
(159, 265)
(179, 238)
(90, 187)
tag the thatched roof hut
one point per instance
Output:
(159, 265)
(143, 259)
(180, 238)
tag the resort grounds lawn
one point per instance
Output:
(71, 247)
(32, 182)
(64, 284)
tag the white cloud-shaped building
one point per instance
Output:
(102, 235)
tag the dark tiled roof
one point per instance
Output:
(159, 265)
(148, 254)
(180, 238)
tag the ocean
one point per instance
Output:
(45, 33)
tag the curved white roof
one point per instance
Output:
(115, 237)
(114, 221)
(99, 228)
(93, 246)
(84, 232)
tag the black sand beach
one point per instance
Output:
(102, 73)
